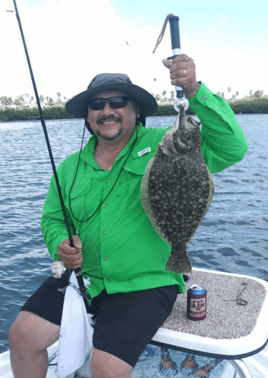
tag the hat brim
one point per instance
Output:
(78, 105)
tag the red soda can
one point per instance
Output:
(196, 302)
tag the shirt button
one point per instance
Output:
(105, 258)
(107, 180)
(204, 98)
(105, 206)
(108, 280)
(196, 103)
(104, 232)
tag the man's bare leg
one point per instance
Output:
(105, 365)
(29, 338)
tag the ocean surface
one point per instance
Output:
(233, 236)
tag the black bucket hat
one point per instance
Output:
(78, 105)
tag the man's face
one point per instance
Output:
(113, 124)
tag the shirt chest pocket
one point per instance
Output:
(134, 178)
(84, 201)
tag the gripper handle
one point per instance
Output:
(175, 34)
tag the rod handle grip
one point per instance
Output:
(80, 280)
(79, 276)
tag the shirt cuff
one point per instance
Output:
(201, 97)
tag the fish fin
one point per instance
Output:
(179, 261)
(146, 203)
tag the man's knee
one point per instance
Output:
(19, 331)
(32, 332)
(105, 365)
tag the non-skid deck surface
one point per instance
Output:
(225, 318)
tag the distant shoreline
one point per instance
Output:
(10, 114)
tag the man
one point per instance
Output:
(115, 243)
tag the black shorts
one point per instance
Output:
(124, 322)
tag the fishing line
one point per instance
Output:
(117, 178)
(78, 272)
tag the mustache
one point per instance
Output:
(109, 118)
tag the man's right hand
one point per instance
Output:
(71, 256)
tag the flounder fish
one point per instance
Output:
(177, 189)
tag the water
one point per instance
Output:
(232, 237)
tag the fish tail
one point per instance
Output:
(179, 261)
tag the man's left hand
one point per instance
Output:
(182, 73)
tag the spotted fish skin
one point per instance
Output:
(177, 189)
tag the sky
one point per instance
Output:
(71, 41)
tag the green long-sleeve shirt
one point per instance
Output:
(121, 250)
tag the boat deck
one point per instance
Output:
(236, 325)
(231, 339)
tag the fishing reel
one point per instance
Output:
(60, 275)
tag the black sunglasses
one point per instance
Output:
(114, 102)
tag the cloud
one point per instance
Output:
(69, 42)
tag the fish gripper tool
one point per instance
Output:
(180, 100)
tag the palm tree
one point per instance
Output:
(59, 94)
(6, 100)
(258, 93)
(18, 101)
(172, 95)
(21, 98)
(229, 89)
(27, 97)
(158, 97)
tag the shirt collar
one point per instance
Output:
(88, 151)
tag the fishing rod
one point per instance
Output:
(78, 271)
